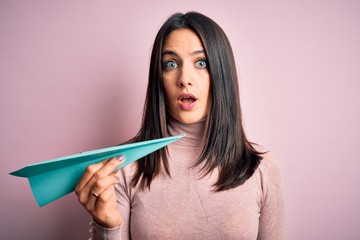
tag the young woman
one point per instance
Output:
(211, 184)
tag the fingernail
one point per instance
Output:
(117, 178)
(120, 158)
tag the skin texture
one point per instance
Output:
(186, 83)
(185, 72)
(100, 178)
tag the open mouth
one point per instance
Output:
(187, 101)
(187, 98)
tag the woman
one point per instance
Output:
(211, 184)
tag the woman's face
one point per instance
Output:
(186, 77)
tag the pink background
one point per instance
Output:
(73, 78)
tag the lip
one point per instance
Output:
(186, 105)
(186, 95)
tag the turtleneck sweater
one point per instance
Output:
(185, 205)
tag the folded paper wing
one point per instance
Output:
(53, 179)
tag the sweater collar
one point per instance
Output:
(194, 132)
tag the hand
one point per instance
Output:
(96, 192)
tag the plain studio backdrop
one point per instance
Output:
(73, 76)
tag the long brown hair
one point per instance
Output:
(227, 147)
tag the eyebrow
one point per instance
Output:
(169, 52)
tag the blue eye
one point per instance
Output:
(201, 64)
(170, 65)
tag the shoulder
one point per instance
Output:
(268, 164)
(269, 174)
(272, 200)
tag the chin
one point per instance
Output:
(190, 119)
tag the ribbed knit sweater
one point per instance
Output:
(184, 205)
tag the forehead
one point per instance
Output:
(184, 40)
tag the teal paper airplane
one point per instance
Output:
(53, 179)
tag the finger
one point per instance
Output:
(88, 193)
(108, 168)
(94, 173)
(102, 184)
(96, 194)
(91, 202)
(105, 199)
(88, 174)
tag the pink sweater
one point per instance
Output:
(184, 206)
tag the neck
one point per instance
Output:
(195, 132)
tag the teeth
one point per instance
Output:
(187, 97)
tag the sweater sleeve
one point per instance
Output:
(122, 232)
(98, 232)
(272, 215)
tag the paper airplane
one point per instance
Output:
(53, 179)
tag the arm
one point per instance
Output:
(96, 192)
(272, 215)
(122, 191)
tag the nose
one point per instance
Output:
(186, 76)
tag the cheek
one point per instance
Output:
(168, 91)
(168, 82)
(206, 87)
